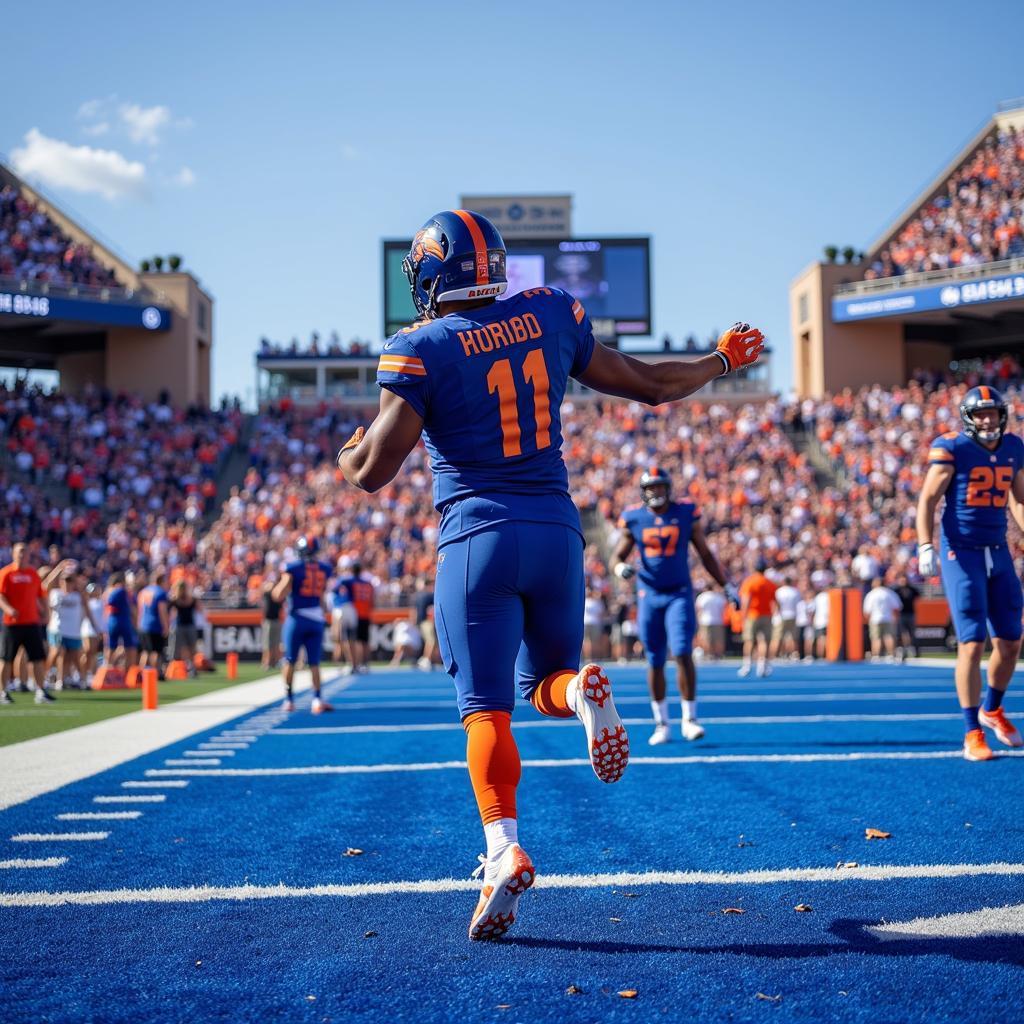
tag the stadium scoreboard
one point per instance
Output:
(610, 276)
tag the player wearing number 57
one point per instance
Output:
(980, 471)
(482, 382)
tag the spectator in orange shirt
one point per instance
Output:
(757, 604)
(23, 601)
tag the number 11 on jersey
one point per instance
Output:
(501, 381)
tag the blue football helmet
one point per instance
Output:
(654, 477)
(456, 255)
(307, 547)
(983, 397)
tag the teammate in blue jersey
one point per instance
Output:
(154, 621)
(120, 627)
(664, 530)
(482, 382)
(304, 583)
(980, 471)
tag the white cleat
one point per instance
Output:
(607, 742)
(744, 671)
(692, 729)
(496, 909)
(662, 734)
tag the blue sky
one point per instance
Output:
(274, 147)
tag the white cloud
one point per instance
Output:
(97, 128)
(81, 168)
(144, 123)
(185, 178)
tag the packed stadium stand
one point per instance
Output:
(34, 248)
(69, 303)
(943, 284)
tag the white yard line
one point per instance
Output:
(625, 879)
(970, 925)
(179, 761)
(41, 862)
(49, 762)
(155, 798)
(155, 784)
(99, 816)
(579, 762)
(59, 837)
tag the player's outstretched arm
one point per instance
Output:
(371, 458)
(615, 373)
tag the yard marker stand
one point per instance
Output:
(845, 635)
(149, 689)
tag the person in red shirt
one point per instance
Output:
(23, 602)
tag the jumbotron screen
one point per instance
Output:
(610, 276)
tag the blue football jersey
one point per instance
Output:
(976, 500)
(489, 385)
(309, 583)
(149, 608)
(664, 542)
(118, 606)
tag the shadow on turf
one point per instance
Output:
(852, 936)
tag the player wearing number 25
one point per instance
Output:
(482, 382)
(979, 471)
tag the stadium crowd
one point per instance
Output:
(978, 219)
(111, 480)
(33, 248)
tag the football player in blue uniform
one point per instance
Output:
(304, 583)
(664, 530)
(482, 382)
(979, 470)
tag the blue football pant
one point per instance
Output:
(508, 604)
(983, 592)
(666, 622)
(300, 632)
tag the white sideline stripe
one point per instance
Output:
(207, 753)
(153, 798)
(730, 698)
(578, 762)
(151, 784)
(572, 723)
(59, 837)
(99, 816)
(46, 763)
(178, 761)
(42, 862)
(201, 894)
(222, 745)
(1007, 920)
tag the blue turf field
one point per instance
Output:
(793, 770)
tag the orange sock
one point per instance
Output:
(549, 697)
(493, 759)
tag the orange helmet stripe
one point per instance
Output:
(986, 394)
(479, 245)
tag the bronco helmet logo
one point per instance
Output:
(423, 244)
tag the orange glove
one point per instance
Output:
(739, 346)
(351, 443)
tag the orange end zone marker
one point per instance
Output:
(232, 664)
(149, 689)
